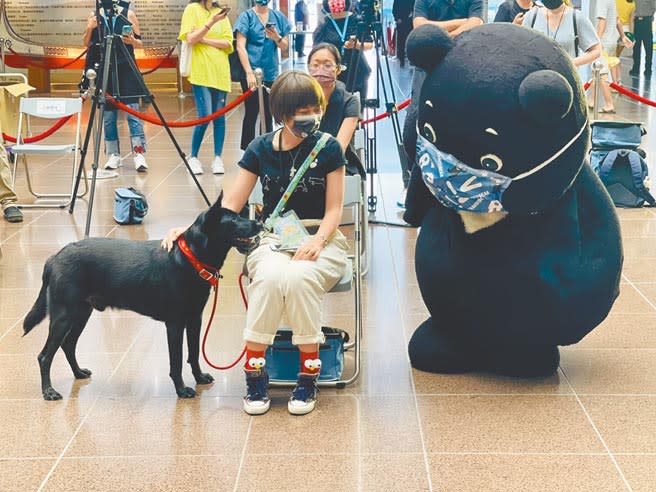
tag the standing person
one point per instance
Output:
(456, 17)
(260, 32)
(625, 9)
(128, 83)
(208, 32)
(610, 31)
(302, 19)
(509, 9)
(402, 11)
(644, 37)
(340, 28)
(291, 283)
(8, 197)
(556, 21)
(342, 108)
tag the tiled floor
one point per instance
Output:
(590, 427)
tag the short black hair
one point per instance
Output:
(326, 46)
(294, 90)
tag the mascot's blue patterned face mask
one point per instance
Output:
(461, 187)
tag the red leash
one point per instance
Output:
(211, 275)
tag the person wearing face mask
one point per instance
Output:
(282, 282)
(343, 108)
(340, 28)
(259, 31)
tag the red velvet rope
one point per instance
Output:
(396, 109)
(586, 86)
(182, 124)
(161, 62)
(29, 62)
(633, 95)
(58, 124)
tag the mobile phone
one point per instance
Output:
(224, 10)
(126, 31)
(269, 25)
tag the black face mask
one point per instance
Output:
(552, 4)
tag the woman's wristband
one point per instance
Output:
(206, 27)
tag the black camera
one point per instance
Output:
(370, 11)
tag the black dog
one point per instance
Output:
(139, 276)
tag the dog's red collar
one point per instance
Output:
(206, 272)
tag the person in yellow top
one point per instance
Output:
(625, 10)
(207, 30)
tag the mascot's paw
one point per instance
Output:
(432, 351)
(525, 362)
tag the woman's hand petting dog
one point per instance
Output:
(171, 237)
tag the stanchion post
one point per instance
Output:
(596, 77)
(259, 78)
(181, 94)
(2, 53)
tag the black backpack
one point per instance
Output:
(625, 174)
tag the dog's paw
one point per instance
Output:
(204, 378)
(186, 392)
(49, 394)
(82, 374)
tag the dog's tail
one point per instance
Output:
(40, 308)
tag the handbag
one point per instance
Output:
(130, 206)
(282, 356)
(185, 59)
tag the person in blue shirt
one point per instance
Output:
(260, 31)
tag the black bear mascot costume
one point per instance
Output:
(519, 249)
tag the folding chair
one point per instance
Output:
(48, 108)
(351, 279)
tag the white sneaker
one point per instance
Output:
(140, 163)
(217, 165)
(114, 162)
(195, 165)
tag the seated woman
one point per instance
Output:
(343, 108)
(282, 282)
(340, 28)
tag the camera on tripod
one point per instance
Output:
(369, 11)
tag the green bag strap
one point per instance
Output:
(297, 178)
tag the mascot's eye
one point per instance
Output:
(429, 133)
(491, 162)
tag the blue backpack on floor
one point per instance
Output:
(130, 206)
(625, 174)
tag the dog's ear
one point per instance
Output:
(214, 212)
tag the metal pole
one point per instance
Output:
(259, 78)
(2, 53)
(596, 77)
(181, 94)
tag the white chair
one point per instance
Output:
(351, 279)
(48, 108)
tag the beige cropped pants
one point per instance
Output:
(282, 288)
(7, 195)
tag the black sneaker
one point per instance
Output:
(304, 396)
(256, 401)
(13, 214)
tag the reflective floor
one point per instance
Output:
(591, 427)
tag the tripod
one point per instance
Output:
(111, 42)
(374, 30)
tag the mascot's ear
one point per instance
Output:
(545, 96)
(427, 46)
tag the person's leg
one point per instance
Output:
(203, 108)
(111, 139)
(250, 117)
(138, 139)
(267, 109)
(8, 197)
(639, 33)
(218, 102)
(304, 284)
(649, 45)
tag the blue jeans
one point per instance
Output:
(208, 101)
(135, 125)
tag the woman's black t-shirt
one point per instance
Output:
(274, 168)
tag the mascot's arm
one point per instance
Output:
(418, 200)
